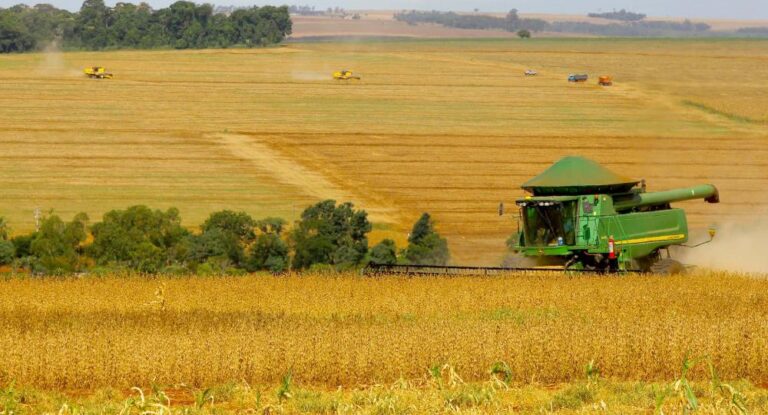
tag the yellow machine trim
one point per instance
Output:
(651, 239)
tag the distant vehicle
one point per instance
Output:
(97, 72)
(531, 72)
(345, 75)
(578, 78)
(605, 80)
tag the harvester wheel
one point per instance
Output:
(667, 266)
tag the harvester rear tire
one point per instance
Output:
(667, 266)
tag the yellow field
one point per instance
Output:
(449, 127)
(352, 333)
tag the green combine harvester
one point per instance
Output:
(580, 216)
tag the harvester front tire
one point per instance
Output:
(667, 266)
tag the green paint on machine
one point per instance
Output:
(580, 215)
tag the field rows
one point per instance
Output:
(451, 128)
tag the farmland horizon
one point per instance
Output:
(736, 10)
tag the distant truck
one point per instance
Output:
(531, 72)
(578, 78)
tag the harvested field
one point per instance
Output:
(448, 127)
(381, 24)
(378, 26)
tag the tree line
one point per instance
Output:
(182, 25)
(637, 28)
(622, 15)
(513, 23)
(327, 237)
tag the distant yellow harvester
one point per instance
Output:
(345, 75)
(97, 72)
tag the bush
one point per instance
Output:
(425, 246)
(384, 253)
(22, 245)
(269, 252)
(7, 252)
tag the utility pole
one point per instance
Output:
(37, 219)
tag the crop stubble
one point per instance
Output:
(448, 127)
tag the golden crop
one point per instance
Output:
(352, 331)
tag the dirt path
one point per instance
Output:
(309, 180)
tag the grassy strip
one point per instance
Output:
(713, 111)
(434, 395)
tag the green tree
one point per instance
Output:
(523, 34)
(7, 249)
(384, 253)
(48, 24)
(269, 252)
(22, 245)
(92, 24)
(57, 246)
(133, 26)
(215, 244)
(14, 35)
(238, 224)
(425, 245)
(330, 234)
(183, 24)
(3, 229)
(421, 229)
(140, 238)
(7, 252)
(225, 235)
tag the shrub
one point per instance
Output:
(269, 252)
(7, 252)
(425, 246)
(384, 253)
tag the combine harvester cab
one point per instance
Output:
(581, 216)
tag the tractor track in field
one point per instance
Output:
(309, 178)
